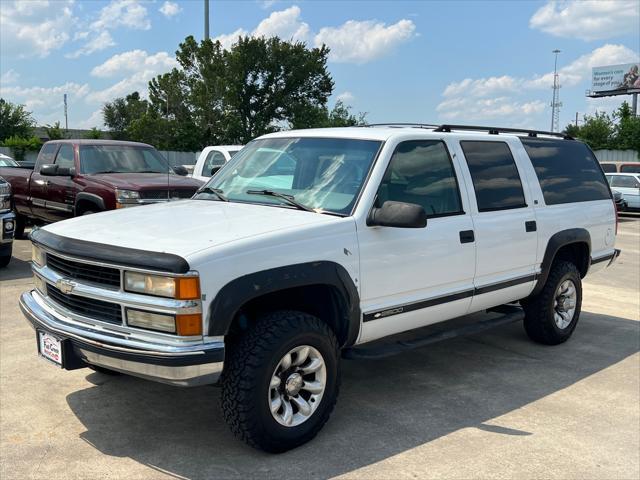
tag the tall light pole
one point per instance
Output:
(206, 19)
(555, 102)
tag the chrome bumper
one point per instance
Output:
(187, 365)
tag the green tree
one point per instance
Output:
(54, 132)
(20, 145)
(627, 131)
(119, 114)
(596, 131)
(339, 116)
(15, 121)
(94, 134)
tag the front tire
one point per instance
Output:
(281, 381)
(552, 315)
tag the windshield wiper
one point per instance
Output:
(107, 171)
(216, 191)
(290, 199)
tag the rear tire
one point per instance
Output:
(552, 315)
(255, 362)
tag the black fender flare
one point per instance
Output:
(97, 200)
(230, 299)
(556, 242)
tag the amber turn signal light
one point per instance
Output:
(189, 324)
(187, 288)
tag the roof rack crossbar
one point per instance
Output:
(497, 130)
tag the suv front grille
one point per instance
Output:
(84, 271)
(88, 307)
(162, 194)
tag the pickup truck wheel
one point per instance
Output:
(552, 315)
(281, 381)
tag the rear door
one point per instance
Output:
(61, 189)
(504, 223)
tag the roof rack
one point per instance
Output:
(401, 125)
(498, 130)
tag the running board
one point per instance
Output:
(509, 313)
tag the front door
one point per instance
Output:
(411, 277)
(61, 189)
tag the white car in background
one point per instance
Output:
(211, 159)
(628, 184)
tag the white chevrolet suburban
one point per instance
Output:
(311, 246)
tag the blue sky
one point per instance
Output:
(481, 62)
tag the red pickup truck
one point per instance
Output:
(77, 177)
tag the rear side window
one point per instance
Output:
(608, 167)
(495, 176)
(630, 168)
(46, 154)
(421, 172)
(567, 170)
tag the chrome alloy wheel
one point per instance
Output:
(297, 386)
(564, 304)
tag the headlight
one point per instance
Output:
(5, 189)
(182, 288)
(37, 255)
(127, 196)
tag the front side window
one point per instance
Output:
(324, 174)
(214, 159)
(624, 181)
(495, 176)
(96, 159)
(64, 159)
(567, 170)
(47, 153)
(421, 172)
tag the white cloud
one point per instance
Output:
(96, 119)
(588, 20)
(469, 109)
(35, 28)
(134, 61)
(10, 76)
(345, 97)
(354, 41)
(267, 3)
(170, 9)
(99, 42)
(362, 41)
(125, 13)
(481, 86)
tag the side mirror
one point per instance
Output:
(398, 215)
(49, 170)
(214, 170)
(180, 170)
(66, 172)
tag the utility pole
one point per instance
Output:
(555, 103)
(66, 118)
(206, 19)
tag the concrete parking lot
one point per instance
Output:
(492, 405)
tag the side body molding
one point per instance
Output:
(238, 292)
(556, 242)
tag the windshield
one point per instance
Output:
(320, 173)
(121, 159)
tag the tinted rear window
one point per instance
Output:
(567, 170)
(609, 167)
(630, 168)
(495, 176)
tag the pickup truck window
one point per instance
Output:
(567, 170)
(214, 159)
(321, 173)
(421, 172)
(120, 159)
(623, 181)
(46, 154)
(495, 176)
(64, 158)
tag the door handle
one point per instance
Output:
(530, 226)
(467, 236)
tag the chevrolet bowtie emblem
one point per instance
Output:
(65, 286)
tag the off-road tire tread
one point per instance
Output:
(538, 324)
(242, 365)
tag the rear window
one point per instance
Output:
(495, 176)
(608, 167)
(630, 168)
(567, 170)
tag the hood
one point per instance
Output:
(145, 181)
(184, 227)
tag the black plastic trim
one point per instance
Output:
(398, 309)
(602, 259)
(556, 242)
(90, 197)
(122, 256)
(235, 294)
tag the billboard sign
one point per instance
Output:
(616, 79)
